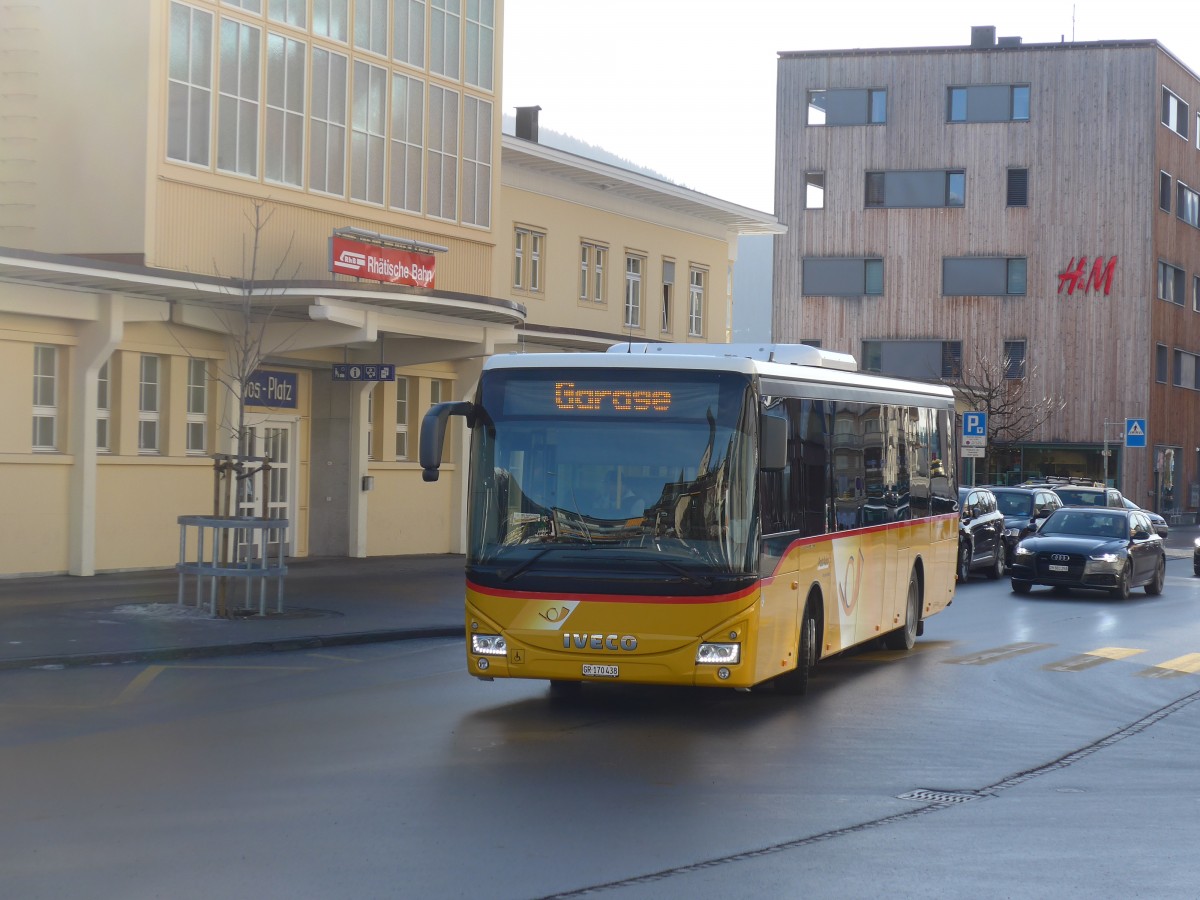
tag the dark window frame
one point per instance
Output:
(1015, 363)
(1017, 186)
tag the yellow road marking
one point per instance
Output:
(1188, 663)
(1114, 652)
(139, 684)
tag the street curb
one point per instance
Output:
(280, 645)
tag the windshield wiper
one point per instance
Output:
(704, 580)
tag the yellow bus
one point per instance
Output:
(711, 515)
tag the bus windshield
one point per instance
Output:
(640, 470)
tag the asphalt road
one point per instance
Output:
(1039, 746)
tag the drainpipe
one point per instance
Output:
(97, 340)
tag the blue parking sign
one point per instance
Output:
(974, 424)
(1135, 432)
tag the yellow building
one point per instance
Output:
(178, 177)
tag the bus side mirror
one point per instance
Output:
(433, 434)
(772, 436)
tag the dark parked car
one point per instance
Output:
(1089, 495)
(980, 534)
(1159, 523)
(1023, 508)
(1106, 549)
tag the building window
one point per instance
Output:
(1189, 205)
(916, 189)
(668, 287)
(371, 422)
(1018, 187)
(952, 359)
(1184, 374)
(481, 39)
(847, 107)
(633, 291)
(401, 417)
(368, 129)
(841, 277)
(370, 25)
(237, 105)
(1171, 283)
(189, 85)
(330, 18)
(408, 32)
(477, 162)
(814, 190)
(327, 126)
(696, 284)
(983, 276)
(439, 391)
(148, 404)
(283, 149)
(1014, 360)
(1160, 363)
(45, 398)
(1174, 113)
(103, 408)
(444, 37)
(441, 162)
(527, 259)
(1196, 293)
(591, 271)
(916, 359)
(1164, 191)
(988, 103)
(290, 12)
(197, 407)
(408, 106)
(253, 6)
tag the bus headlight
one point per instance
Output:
(489, 644)
(719, 654)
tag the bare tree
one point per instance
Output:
(247, 323)
(1002, 387)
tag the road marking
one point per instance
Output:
(334, 658)
(985, 657)
(1092, 658)
(134, 689)
(1188, 664)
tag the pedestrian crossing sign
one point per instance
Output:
(1135, 432)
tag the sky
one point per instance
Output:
(687, 87)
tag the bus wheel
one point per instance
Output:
(795, 682)
(565, 690)
(905, 637)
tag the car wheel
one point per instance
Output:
(795, 682)
(964, 563)
(1021, 587)
(1154, 588)
(1121, 591)
(905, 637)
(998, 567)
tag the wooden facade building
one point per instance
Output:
(1031, 207)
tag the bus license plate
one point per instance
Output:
(600, 671)
(1059, 569)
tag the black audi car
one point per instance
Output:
(1109, 549)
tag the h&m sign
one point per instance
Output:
(1099, 279)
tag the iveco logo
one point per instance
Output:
(1060, 557)
(599, 641)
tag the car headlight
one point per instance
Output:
(1022, 550)
(1197, 543)
(1012, 532)
(1104, 562)
(489, 644)
(718, 654)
